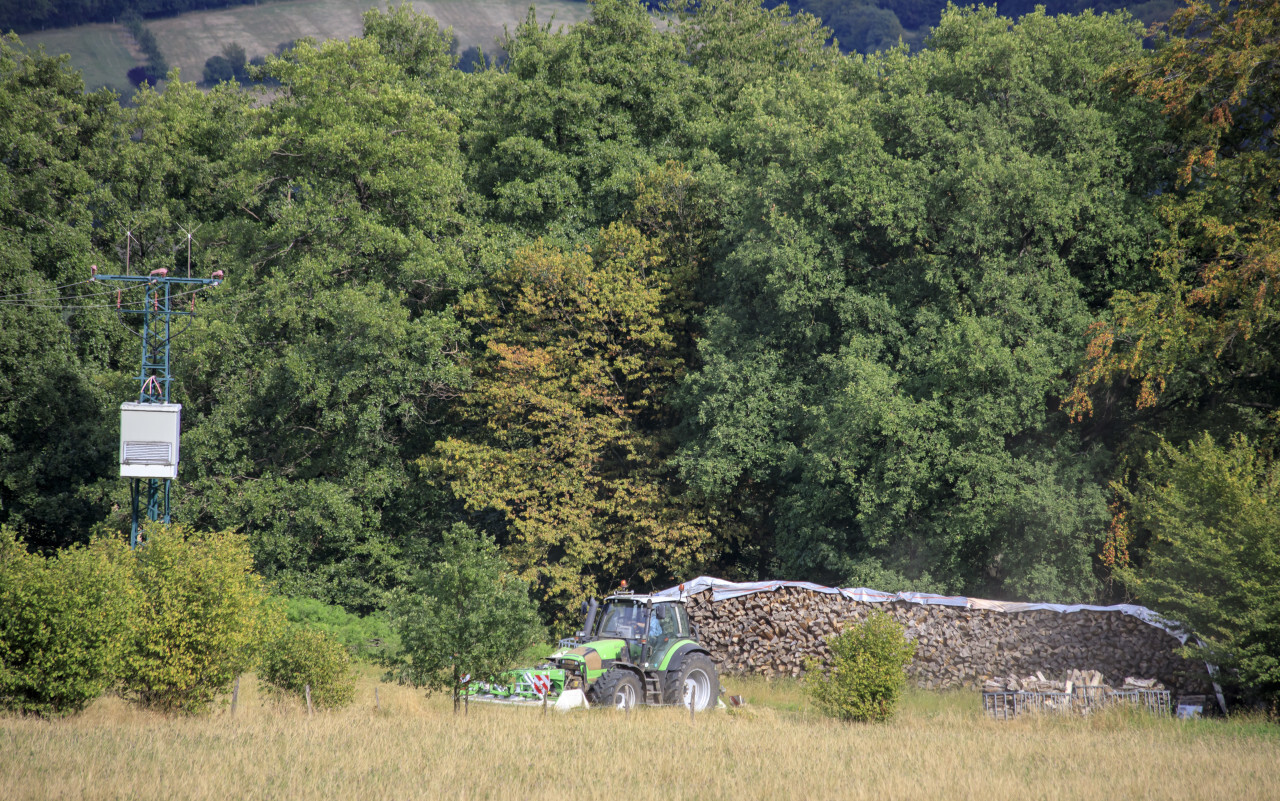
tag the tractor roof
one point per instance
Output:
(644, 599)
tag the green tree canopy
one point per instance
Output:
(908, 286)
(1212, 513)
(576, 117)
(314, 372)
(662, 293)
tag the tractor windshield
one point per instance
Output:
(626, 619)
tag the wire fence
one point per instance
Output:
(1081, 700)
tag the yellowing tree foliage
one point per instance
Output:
(1212, 316)
(576, 356)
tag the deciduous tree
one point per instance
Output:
(1212, 516)
(464, 613)
(920, 242)
(314, 372)
(1207, 329)
(578, 355)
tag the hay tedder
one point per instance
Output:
(632, 650)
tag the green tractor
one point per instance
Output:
(632, 650)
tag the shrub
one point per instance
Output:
(201, 619)
(217, 69)
(234, 53)
(368, 637)
(867, 672)
(64, 624)
(303, 656)
(157, 65)
(137, 75)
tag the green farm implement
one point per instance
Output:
(632, 650)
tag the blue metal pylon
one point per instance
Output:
(150, 496)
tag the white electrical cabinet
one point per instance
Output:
(149, 439)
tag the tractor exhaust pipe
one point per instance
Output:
(592, 608)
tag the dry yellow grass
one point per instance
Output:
(940, 748)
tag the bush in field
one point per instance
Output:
(64, 624)
(302, 657)
(139, 74)
(867, 671)
(368, 637)
(217, 69)
(202, 615)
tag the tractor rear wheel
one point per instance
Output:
(618, 688)
(694, 679)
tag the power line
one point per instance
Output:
(51, 304)
(50, 289)
(54, 302)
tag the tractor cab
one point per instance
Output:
(649, 625)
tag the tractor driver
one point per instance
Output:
(655, 624)
(663, 622)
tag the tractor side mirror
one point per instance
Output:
(583, 611)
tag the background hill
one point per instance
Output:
(104, 51)
(102, 48)
(866, 26)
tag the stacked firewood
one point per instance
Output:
(776, 633)
(1075, 680)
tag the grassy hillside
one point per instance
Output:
(104, 53)
(941, 747)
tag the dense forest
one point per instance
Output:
(995, 317)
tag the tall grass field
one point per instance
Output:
(104, 52)
(939, 747)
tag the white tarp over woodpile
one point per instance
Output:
(722, 590)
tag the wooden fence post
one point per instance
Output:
(307, 689)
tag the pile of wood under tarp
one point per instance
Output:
(774, 633)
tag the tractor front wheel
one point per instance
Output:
(693, 681)
(619, 688)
